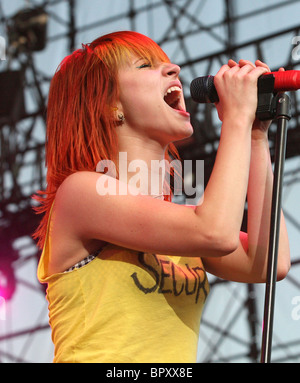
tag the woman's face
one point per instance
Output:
(152, 101)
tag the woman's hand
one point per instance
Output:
(236, 85)
(259, 128)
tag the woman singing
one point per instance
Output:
(126, 267)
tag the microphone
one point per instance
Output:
(202, 89)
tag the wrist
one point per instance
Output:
(237, 124)
(260, 130)
(259, 136)
(260, 144)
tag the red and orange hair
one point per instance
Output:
(81, 128)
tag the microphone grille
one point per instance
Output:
(203, 90)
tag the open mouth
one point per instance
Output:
(172, 97)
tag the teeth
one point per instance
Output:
(172, 89)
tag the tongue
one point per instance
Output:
(171, 99)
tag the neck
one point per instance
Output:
(142, 167)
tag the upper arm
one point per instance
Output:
(137, 222)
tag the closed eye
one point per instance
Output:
(144, 66)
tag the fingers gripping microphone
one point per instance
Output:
(203, 90)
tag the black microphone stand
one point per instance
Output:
(272, 106)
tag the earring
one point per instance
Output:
(121, 117)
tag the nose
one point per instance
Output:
(171, 70)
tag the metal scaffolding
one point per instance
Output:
(187, 24)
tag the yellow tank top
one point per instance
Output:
(126, 307)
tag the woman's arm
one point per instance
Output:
(253, 248)
(249, 262)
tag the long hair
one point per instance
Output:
(81, 128)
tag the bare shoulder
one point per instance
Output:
(68, 244)
(78, 206)
(78, 182)
(76, 191)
